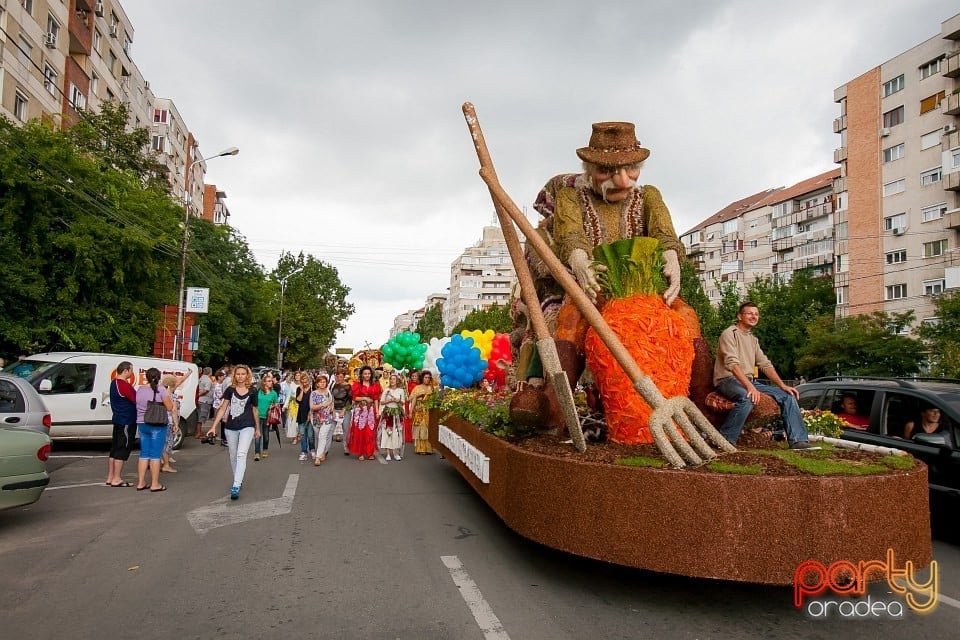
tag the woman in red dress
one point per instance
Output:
(363, 421)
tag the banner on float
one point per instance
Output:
(473, 458)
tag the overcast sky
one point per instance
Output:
(353, 147)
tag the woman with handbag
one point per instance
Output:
(321, 407)
(153, 403)
(239, 406)
(265, 399)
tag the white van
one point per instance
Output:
(76, 389)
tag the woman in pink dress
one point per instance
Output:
(363, 423)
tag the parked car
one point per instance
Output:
(75, 387)
(21, 407)
(23, 466)
(889, 404)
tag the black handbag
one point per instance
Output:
(156, 413)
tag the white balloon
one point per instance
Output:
(432, 354)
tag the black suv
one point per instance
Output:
(887, 405)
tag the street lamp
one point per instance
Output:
(283, 284)
(178, 343)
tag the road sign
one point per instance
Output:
(197, 299)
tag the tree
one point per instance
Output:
(89, 251)
(495, 317)
(787, 308)
(943, 337)
(315, 307)
(861, 345)
(431, 324)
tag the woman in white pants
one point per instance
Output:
(243, 423)
(390, 438)
(321, 407)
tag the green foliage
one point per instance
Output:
(691, 292)
(859, 345)
(90, 253)
(821, 465)
(488, 410)
(641, 461)
(943, 338)
(634, 266)
(495, 317)
(824, 423)
(723, 315)
(431, 324)
(736, 469)
(899, 462)
(315, 307)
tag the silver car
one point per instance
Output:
(21, 407)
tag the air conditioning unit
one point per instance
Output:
(114, 29)
(898, 231)
(949, 128)
(98, 8)
(50, 40)
(884, 132)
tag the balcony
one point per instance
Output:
(950, 105)
(840, 184)
(951, 181)
(840, 124)
(951, 219)
(839, 155)
(951, 66)
(950, 141)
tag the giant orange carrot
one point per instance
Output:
(658, 338)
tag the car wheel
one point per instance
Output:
(177, 439)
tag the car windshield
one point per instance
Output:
(28, 369)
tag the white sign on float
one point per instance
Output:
(473, 458)
(198, 300)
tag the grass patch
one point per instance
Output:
(642, 461)
(739, 469)
(898, 462)
(816, 463)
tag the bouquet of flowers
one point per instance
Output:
(824, 423)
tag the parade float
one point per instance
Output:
(664, 492)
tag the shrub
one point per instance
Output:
(488, 410)
(824, 423)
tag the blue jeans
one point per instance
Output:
(264, 436)
(307, 443)
(731, 388)
(152, 438)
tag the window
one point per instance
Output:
(841, 231)
(933, 287)
(73, 378)
(893, 153)
(77, 99)
(898, 221)
(19, 107)
(893, 117)
(11, 400)
(111, 60)
(930, 102)
(955, 156)
(933, 212)
(892, 86)
(50, 80)
(160, 116)
(896, 257)
(930, 69)
(730, 226)
(929, 177)
(27, 6)
(94, 83)
(841, 295)
(897, 186)
(127, 44)
(158, 144)
(896, 291)
(25, 52)
(931, 139)
(935, 248)
(97, 37)
(842, 199)
(53, 29)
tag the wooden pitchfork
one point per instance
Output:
(667, 414)
(546, 347)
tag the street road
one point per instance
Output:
(355, 550)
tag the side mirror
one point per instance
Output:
(931, 439)
(46, 386)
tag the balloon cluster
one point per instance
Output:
(434, 350)
(498, 358)
(404, 351)
(482, 340)
(461, 365)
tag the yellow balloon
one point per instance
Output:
(482, 340)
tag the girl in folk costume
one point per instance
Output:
(392, 416)
(321, 407)
(366, 400)
(421, 415)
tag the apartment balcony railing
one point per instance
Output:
(951, 219)
(802, 215)
(951, 181)
(950, 140)
(951, 66)
(840, 184)
(839, 155)
(839, 124)
(950, 105)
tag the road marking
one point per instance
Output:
(74, 486)
(489, 623)
(222, 513)
(949, 601)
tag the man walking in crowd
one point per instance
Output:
(204, 400)
(738, 352)
(123, 403)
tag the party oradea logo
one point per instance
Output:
(836, 590)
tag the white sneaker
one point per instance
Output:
(399, 458)
(302, 457)
(389, 458)
(313, 454)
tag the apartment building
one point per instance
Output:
(802, 226)
(479, 278)
(409, 320)
(898, 194)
